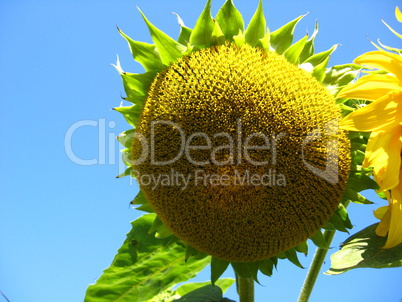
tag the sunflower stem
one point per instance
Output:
(316, 264)
(245, 289)
(315, 268)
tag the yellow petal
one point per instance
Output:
(383, 153)
(383, 114)
(382, 60)
(398, 14)
(371, 87)
(395, 224)
(380, 212)
(383, 227)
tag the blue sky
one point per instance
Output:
(63, 214)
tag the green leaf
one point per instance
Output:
(202, 32)
(257, 26)
(359, 181)
(282, 38)
(292, 54)
(185, 32)
(319, 240)
(169, 50)
(143, 267)
(224, 284)
(364, 250)
(144, 53)
(230, 20)
(218, 267)
(206, 293)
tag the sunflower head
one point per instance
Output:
(235, 143)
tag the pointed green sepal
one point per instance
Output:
(320, 57)
(292, 54)
(302, 247)
(340, 219)
(217, 37)
(143, 202)
(239, 39)
(246, 270)
(266, 267)
(282, 38)
(144, 53)
(309, 48)
(329, 227)
(185, 32)
(338, 76)
(265, 41)
(137, 85)
(155, 225)
(127, 159)
(230, 20)
(319, 240)
(202, 32)
(292, 256)
(127, 172)
(343, 214)
(356, 197)
(131, 114)
(274, 261)
(126, 138)
(257, 26)
(169, 50)
(193, 252)
(253, 269)
(163, 232)
(242, 269)
(218, 267)
(319, 71)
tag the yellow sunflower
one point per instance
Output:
(383, 118)
(235, 142)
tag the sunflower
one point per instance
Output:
(383, 118)
(235, 142)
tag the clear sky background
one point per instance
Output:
(63, 215)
